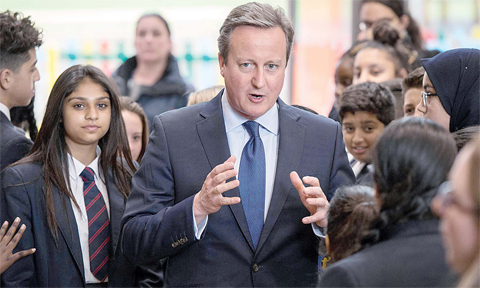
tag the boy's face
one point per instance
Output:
(411, 99)
(360, 133)
(23, 82)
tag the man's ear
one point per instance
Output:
(6, 78)
(222, 64)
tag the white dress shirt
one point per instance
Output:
(238, 136)
(4, 109)
(75, 167)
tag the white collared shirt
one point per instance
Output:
(238, 137)
(4, 109)
(75, 168)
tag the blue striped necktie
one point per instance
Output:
(252, 181)
(98, 226)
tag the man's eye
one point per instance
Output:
(246, 65)
(272, 66)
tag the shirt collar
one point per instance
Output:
(76, 167)
(232, 119)
(4, 109)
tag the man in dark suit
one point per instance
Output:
(188, 205)
(18, 75)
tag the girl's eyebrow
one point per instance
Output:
(83, 98)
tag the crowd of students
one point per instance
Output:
(409, 219)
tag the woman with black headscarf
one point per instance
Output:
(451, 89)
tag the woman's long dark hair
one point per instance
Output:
(412, 158)
(51, 150)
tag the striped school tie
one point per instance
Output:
(98, 226)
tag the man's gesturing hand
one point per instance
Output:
(312, 198)
(210, 199)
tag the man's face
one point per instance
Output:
(255, 71)
(23, 82)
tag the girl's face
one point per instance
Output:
(152, 40)
(434, 109)
(373, 65)
(134, 127)
(86, 115)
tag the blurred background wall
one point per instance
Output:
(101, 33)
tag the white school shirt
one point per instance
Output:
(75, 167)
(4, 109)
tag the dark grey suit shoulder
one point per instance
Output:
(13, 144)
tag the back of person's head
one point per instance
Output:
(127, 103)
(369, 97)
(256, 15)
(204, 95)
(351, 211)
(399, 7)
(387, 40)
(20, 115)
(412, 158)
(455, 76)
(17, 37)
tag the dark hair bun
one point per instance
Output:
(385, 34)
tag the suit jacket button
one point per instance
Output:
(255, 267)
(186, 239)
(173, 245)
(181, 241)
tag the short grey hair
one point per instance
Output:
(257, 15)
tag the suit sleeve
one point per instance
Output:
(155, 226)
(16, 203)
(15, 149)
(341, 173)
(337, 276)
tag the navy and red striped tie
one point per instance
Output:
(98, 226)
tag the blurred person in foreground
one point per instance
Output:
(458, 204)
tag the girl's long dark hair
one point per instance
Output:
(412, 158)
(51, 150)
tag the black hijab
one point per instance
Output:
(455, 77)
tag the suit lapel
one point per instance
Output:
(67, 226)
(117, 207)
(211, 131)
(290, 147)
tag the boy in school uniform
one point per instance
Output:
(365, 110)
(18, 74)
